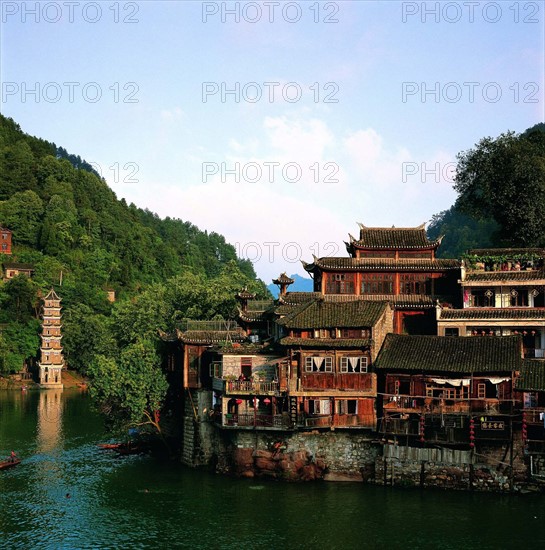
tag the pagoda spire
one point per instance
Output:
(283, 282)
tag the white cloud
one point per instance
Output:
(278, 224)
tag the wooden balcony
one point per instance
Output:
(338, 421)
(246, 387)
(332, 381)
(431, 405)
(254, 421)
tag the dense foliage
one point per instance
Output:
(83, 241)
(501, 195)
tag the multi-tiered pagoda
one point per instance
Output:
(51, 360)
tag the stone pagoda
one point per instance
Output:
(51, 359)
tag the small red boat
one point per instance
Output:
(130, 448)
(108, 446)
(5, 464)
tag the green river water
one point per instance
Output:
(139, 502)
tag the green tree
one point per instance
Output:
(19, 342)
(86, 335)
(504, 179)
(20, 301)
(22, 213)
(131, 388)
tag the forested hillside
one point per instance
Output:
(82, 240)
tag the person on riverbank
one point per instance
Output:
(13, 456)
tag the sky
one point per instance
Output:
(277, 124)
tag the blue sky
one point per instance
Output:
(361, 157)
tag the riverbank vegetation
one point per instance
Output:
(80, 239)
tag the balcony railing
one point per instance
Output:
(433, 405)
(249, 387)
(338, 421)
(249, 420)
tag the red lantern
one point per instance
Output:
(472, 445)
(267, 401)
(239, 401)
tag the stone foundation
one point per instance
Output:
(349, 455)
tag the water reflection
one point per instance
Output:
(138, 502)
(49, 421)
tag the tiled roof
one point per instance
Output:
(316, 343)
(297, 298)
(506, 251)
(249, 349)
(52, 295)
(493, 313)
(394, 237)
(17, 265)
(322, 314)
(381, 264)
(450, 354)
(245, 294)
(532, 376)
(211, 336)
(253, 316)
(403, 300)
(291, 300)
(283, 279)
(504, 276)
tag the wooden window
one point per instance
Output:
(414, 283)
(215, 370)
(340, 283)
(319, 406)
(519, 297)
(377, 283)
(321, 333)
(354, 365)
(375, 254)
(482, 298)
(318, 363)
(347, 406)
(451, 332)
(481, 391)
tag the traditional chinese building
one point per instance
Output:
(453, 390)
(325, 382)
(531, 384)
(13, 269)
(398, 265)
(331, 347)
(256, 317)
(5, 240)
(503, 294)
(51, 358)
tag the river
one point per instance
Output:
(69, 494)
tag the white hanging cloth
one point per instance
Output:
(452, 381)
